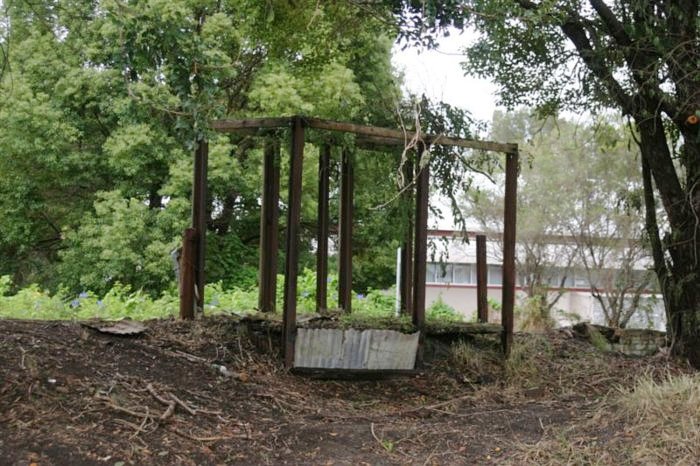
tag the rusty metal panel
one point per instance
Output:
(355, 349)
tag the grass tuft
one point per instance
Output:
(665, 415)
(653, 422)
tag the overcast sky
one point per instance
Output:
(438, 74)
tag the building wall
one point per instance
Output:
(454, 281)
(575, 305)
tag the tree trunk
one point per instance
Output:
(677, 257)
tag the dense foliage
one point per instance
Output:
(123, 302)
(102, 103)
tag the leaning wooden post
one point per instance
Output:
(324, 157)
(291, 268)
(187, 274)
(345, 247)
(509, 220)
(420, 250)
(482, 304)
(199, 218)
(269, 227)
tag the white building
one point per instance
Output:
(451, 277)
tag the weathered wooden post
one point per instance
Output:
(291, 268)
(345, 248)
(187, 274)
(407, 248)
(324, 157)
(269, 227)
(482, 304)
(509, 221)
(420, 250)
(199, 218)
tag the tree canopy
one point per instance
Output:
(102, 103)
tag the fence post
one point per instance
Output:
(509, 221)
(482, 303)
(187, 274)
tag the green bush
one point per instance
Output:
(441, 311)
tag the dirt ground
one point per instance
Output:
(201, 393)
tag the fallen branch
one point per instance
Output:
(169, 403)
(168, 412)
(184, 355)
(155, 394)
(208, 439)
(183, 405)
(142, 426)
(436, 405)
(21, 361)
(108, 401)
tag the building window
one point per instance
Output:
(464, 273)
(495, 275)
(430, 271)
(443, 273)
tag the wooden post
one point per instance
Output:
(345, 248)
(291, 269)
(324, 157)
(187, 274)
(481, 280)
(420, 249)
(509, 221)
(199, 218)
(407, 247)
(269, 227)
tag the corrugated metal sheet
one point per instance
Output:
(355, 349)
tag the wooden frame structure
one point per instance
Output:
(414, 271)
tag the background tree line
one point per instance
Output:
(102, 103)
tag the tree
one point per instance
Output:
(578, 213)
(543, 264)
(102, 102)
(606, 220)
(639, 57)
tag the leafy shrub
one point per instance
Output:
(121, 301)
(442, 311)
(532, 315)
(237, 300)
(5, 284)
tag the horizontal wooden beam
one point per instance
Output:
(372, 135)
(235, 126)
(386, 136)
